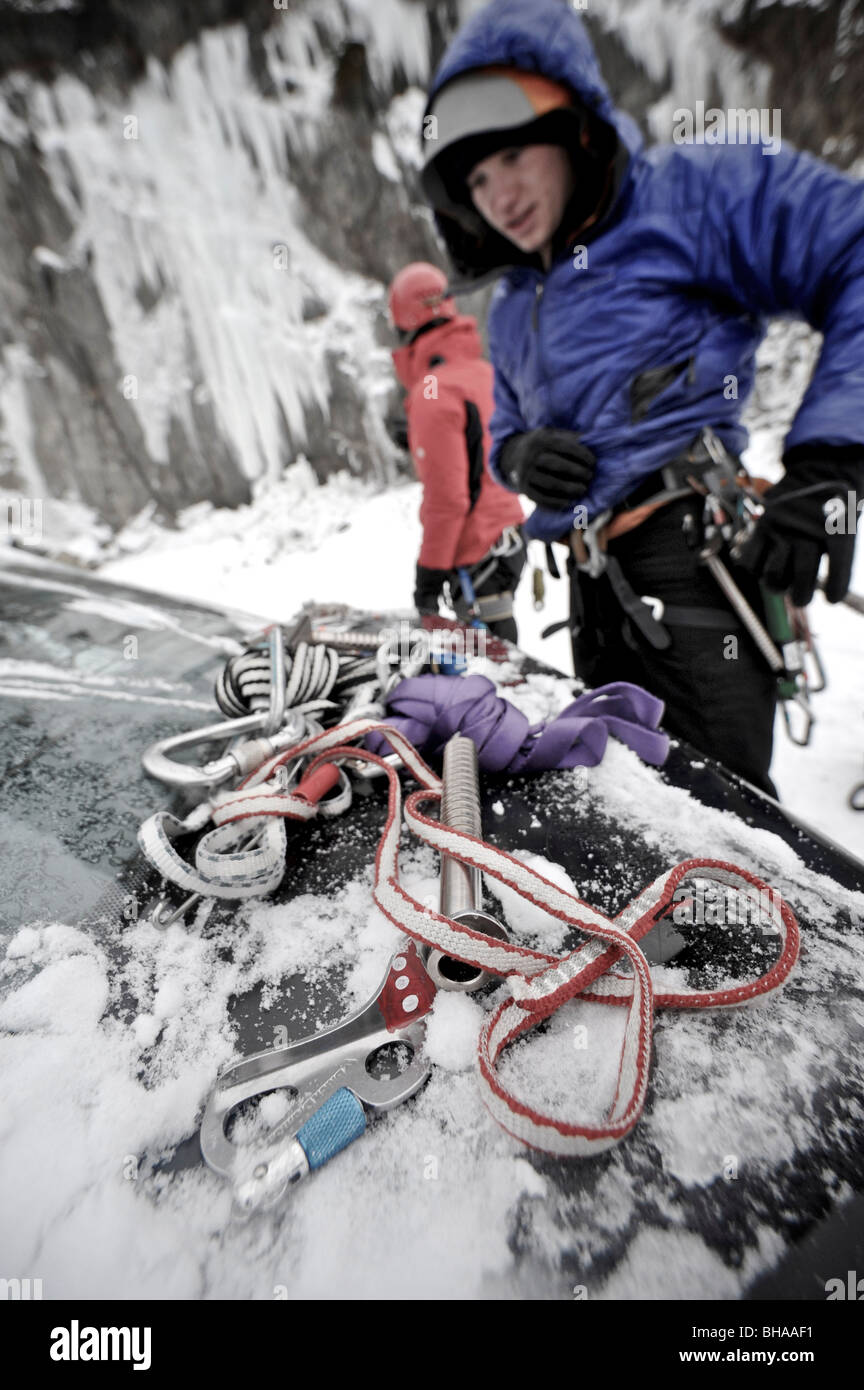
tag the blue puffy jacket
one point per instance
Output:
(701, 245)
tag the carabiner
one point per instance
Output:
(248, 755)
(588, 548)
(800, 699)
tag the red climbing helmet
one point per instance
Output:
(417, 294)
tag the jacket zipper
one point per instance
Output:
(544, 382)
(535, 314)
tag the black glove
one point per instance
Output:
(397, 428)
(427, 586)
(549, 466)
(796, 530)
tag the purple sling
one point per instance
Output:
(429, 709)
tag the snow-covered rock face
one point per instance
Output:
(661, 55)
(196, 260)
(201, 217)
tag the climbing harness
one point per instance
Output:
(731, 508)
(482, 609)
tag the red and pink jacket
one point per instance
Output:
(449, 405)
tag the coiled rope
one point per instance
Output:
(314, 672)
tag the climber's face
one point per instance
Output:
(522, 192)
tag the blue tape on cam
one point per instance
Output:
(331, 1129)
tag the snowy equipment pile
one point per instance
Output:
(328, 1072)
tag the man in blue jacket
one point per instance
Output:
(636, 287)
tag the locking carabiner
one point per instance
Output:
(246, 755)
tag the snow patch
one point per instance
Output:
(452, 1030)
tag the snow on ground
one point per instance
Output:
(350, 543)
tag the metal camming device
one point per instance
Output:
(332, 1079)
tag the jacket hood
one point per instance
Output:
(542, 36)
(457, 340)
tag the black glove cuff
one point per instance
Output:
(511, 461)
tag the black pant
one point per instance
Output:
(504, 578)
(718, 690)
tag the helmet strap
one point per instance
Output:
(409, 336)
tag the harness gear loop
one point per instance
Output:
(728, 517)
(588, 547)
(482, 609)
(732, 506)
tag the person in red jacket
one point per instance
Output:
(472, 538)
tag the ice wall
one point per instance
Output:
(180, 324)
(200, 216)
